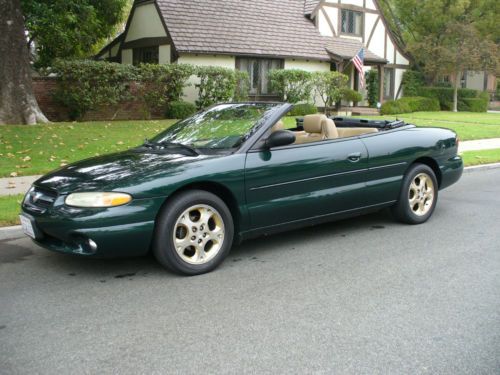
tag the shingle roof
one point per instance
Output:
(257, 27)
(310, 5)
(347, 48)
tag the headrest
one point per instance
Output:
(312, 123)
(278, 126)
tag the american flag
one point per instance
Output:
(358, 62)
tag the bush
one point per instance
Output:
(216, 85)
(408, 105)
(329, 86)
(162, 84)
(293, 85)
(84, 85)
(303, 110)
(445, 95)
(179, 110)
(351, 95)
(372, 88)
(473, 105)
(412, 82)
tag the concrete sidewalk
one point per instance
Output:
(20, 185)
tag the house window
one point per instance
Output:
(389, 76)
(258, 70)
(146, 55)
(352, 22)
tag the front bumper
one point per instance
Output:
(105, 232)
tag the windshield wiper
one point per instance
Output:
(166, 145)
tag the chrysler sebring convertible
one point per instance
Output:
(235, 171)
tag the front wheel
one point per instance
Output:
(194, 233)
(418, 196)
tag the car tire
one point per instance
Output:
(194, 233)
(418, 196)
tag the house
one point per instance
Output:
(259, 35)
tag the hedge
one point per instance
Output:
(473, 105)
(445, 95)
(303, 110)
(409, 104)
(180, 110)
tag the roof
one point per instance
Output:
(257, 27)
(310, 6)
(346, 49)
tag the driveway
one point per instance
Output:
(362, 296)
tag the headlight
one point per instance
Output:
(97, 199)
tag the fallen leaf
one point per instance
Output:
(13, 174)
(26, 158)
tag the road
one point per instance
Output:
(363, 296)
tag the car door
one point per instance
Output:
(297, 182)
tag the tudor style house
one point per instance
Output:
(259, 35)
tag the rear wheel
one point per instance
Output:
(418, 196)
(194, 233)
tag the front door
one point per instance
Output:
(297, 182)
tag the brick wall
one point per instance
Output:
(44, 89)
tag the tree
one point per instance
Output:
(70, 28)
(329, 87)
(293, 85)
(448, 37)
(459, 48)
(17, 100)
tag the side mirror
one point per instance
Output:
(280, 138)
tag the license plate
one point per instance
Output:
(27, 226)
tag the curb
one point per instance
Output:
(474, 168)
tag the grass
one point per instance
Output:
(481, 157)
(9, 209)
(29, 150)
(467, 125)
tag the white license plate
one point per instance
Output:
(27, 226)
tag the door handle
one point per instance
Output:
(354, 157)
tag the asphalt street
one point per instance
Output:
(362, 296)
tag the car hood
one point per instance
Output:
(116, 171)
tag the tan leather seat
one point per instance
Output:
(312, 129)
(278, 126)
(352, 132)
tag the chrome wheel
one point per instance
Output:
(199, 234)
(421, 194)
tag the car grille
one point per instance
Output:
(39, 200)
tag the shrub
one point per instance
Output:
(179, 110)
(216, 85)
(84, 85)
(329, 86)
(408, 105)
(162, 84)
(351, 95)
(303, 110)
(412, 82)
(293, 85)
(372, 88)
(445, 95)
(473, 105)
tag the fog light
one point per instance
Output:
(92, 245)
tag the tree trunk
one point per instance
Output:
(18, 104)
(458, 76)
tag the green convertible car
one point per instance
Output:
(235, 171)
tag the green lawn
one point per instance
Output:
(468, 125)
(481, 157)
(9, 209)
(29, 150)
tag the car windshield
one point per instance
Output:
(220, 127)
